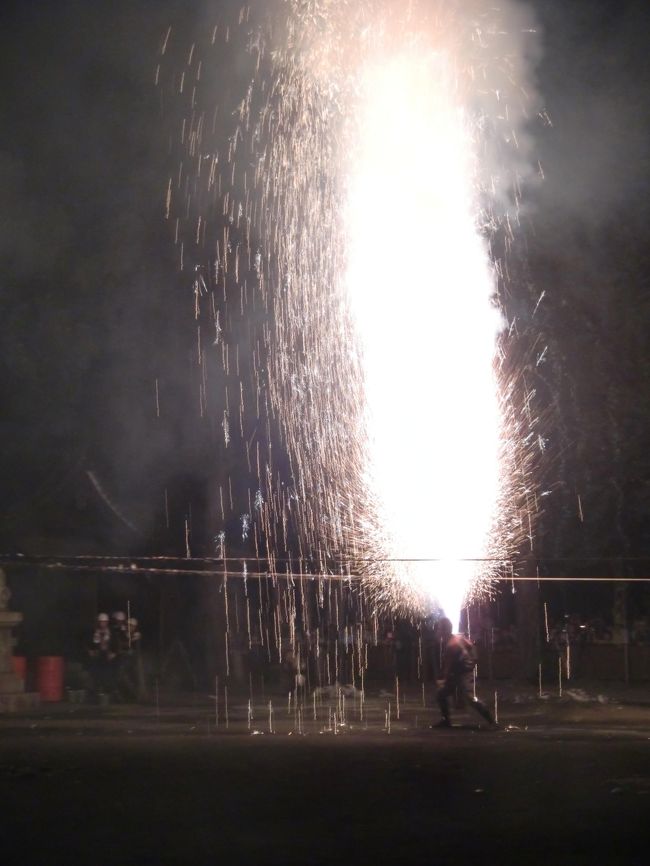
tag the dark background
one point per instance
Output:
(94, 310)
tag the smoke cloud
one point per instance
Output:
(595, 81)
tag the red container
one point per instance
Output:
(49, 678)
(20, 666)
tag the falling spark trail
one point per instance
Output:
(539, 301)
(546, 622)
(568, 659)
(397, 695)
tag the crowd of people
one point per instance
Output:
(114, 657)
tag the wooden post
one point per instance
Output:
(527, 615)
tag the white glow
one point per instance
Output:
(420, 284)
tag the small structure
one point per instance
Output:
(12, 687)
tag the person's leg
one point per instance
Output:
(468, 690)
(482, 710)
(466, 687)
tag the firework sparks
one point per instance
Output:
(341, 233)
(427, 325)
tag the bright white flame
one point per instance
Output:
(420, 287)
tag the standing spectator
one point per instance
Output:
(119, 631)
(126, 641)
(102, 658)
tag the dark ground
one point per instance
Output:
(562, 782)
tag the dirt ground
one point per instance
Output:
(562, 782)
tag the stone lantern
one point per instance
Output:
(12, 687)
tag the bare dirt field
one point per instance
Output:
(560, 783)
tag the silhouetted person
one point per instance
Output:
(126, 641)
(101, 657)
(457, 667)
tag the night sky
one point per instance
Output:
(94, 311)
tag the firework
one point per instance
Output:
(337, 235)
